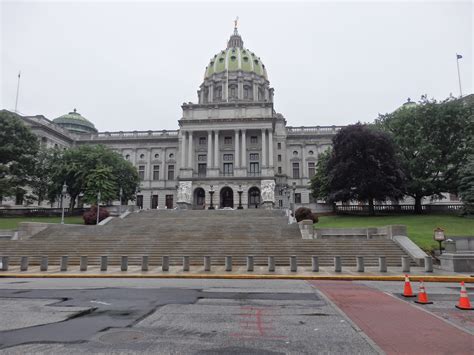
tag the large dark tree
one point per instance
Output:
(18, 148)
(434, 140)
(88, 168)
(363, 166)
(466, 186)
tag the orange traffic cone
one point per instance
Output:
(464, 303)
(407, 291)
(422, 296)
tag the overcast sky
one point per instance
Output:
(130, 66)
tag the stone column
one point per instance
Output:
(270, 148)
(150, 166)
(303, 162)
(191, 151)
(216, 149)
(240, 90)
(209, 149)
(211, 93)
(264, 149)
(244, 150)
(183, 150)
(162, 156)
(236, 158)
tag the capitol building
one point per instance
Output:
(231, 148)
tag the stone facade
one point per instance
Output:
(231, 140)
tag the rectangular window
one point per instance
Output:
(279, 157)
(254, 169)
(202, 140)
(253, 156)
(228, 157)
(202, 157)
(156, 172)
(170, 172)
(296, 170)
(311, 169)
(141, 172)
(280, 203)
(228, 169)
(279, 145)
(228, 140)
(279, 170)
(297, 198)
(253, 139)
(202, 167)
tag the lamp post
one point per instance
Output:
(240, 197)
(439, 237)
(98, 208)
(120, 197)
(63, 192)
(211, 192)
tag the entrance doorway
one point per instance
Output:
(169, 202)
(140, 201)
(227, 197)
(254, 197)
(199, 198)
(154, 202)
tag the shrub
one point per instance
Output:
(90, 217)
(305, 213)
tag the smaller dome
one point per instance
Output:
(75, 123)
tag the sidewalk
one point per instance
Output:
(240, 272)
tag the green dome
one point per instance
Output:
(74, 122)
(234, 58)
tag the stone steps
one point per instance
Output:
(261, 233)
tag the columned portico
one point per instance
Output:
(244, 149)
(209, 149)
(237, 160)
(216, 149)
(191, 150)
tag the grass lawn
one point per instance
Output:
(12, 222)
(420, 228)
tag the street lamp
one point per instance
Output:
(240, 197)
(211, 192)
(98, 208)
(120, 194)
(63, 193)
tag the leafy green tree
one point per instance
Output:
(434, 140)
(76, 166)
(43, 170)
(100, 180)
(363, 166)
(466, 186)
(319, 185)
(18, 148)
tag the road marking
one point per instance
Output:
(100, 302)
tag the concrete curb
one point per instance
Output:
(426, 278)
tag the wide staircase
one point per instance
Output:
(176, 233)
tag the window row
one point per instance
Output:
(156, 172)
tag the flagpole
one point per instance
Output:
(459, 74)
(17, 92)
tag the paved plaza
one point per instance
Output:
(205, 316)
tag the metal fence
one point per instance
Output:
(398, 209)
(39, 212)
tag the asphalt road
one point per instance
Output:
(171, 316)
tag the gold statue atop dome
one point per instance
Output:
(236, 21)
